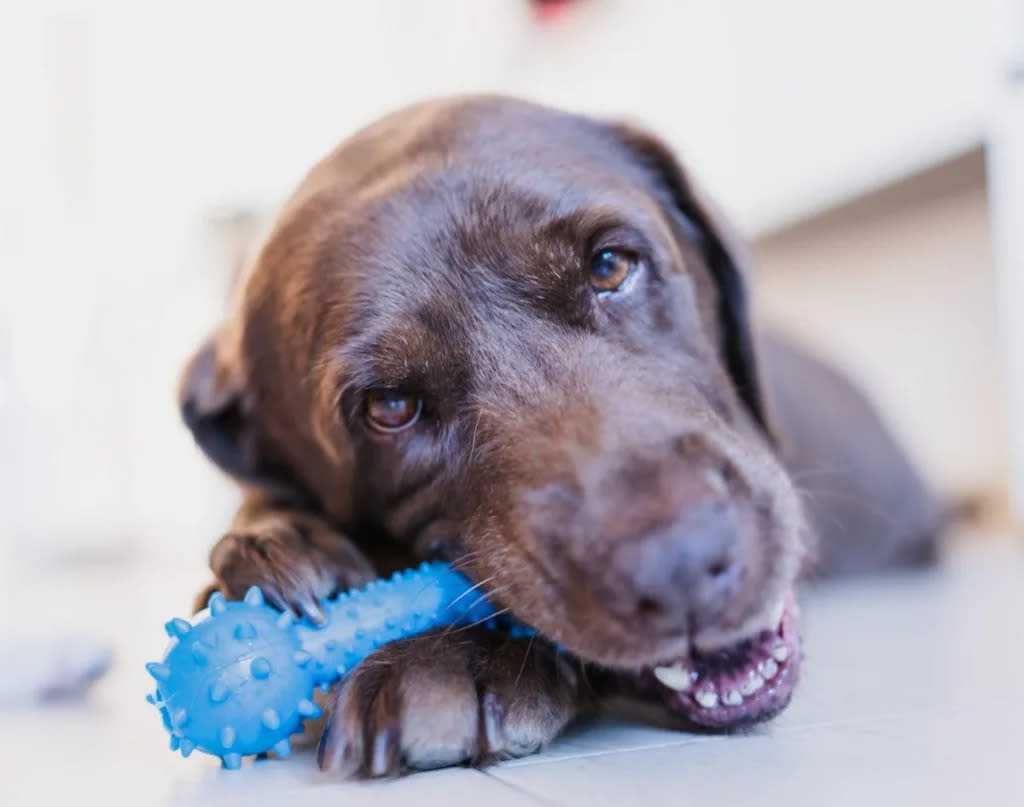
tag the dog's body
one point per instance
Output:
(518, 339)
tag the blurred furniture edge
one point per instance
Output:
(1006, 197)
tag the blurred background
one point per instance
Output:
(872, 151)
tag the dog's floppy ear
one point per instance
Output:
(215, 406)
(726, 257)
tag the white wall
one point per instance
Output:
(129, 126)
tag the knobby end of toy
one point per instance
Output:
(205, 681)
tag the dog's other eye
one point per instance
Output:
(610, 268)
(390, 411)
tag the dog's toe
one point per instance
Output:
(446, 699)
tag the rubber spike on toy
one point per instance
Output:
(177, 627)
(302, 658)
(218, 693)
(151, 698)
(179, 718)
(285, 620)
(271, 719)
(227, 737)
(161, 672)
(283, 748)
(217, 604)
(200, 653)
(254, 597)
(187, 747)
(232, 761)
(244, 630)
(307, 708)
(260, 668)
(175, 742)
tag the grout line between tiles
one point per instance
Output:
(550, 760)
(520, 790)
(780, 732)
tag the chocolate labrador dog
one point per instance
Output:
(519, 339)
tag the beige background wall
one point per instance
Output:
(899, 288)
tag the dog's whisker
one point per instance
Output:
(526, 655)
(481, 621)
(476, 428)
(463, 561)
(471, 589)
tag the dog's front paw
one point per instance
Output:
(297, 560)
(447, 698)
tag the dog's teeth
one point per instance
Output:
(752, 684)
(780, 652)
(676, 677)
(776, 614)
(768, 669)
(716, 481)
(707, 698)
(732, 698)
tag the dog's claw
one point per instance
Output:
(385, 750)
(311, 609)
(493, 722)
(336, 754)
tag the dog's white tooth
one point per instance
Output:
(780, 652)
(676, 677)
(752, 684)
(707, 698)
(716, 481)
(732, 698)
(768, 669)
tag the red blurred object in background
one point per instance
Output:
(548, 11)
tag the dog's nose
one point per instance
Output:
(685, 574)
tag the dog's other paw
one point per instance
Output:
(448, 698)
(295, 558)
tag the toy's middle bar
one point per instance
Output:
(362, 620)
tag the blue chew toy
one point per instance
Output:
(239, 679)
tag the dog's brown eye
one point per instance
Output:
(609, 269)
(390, 411)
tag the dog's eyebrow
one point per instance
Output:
(369, 362)
(405, 356)
(589, 222)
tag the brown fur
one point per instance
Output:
(606, 469)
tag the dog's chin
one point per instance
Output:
(734, 683)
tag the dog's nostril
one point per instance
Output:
(719, 568)
(649, 606)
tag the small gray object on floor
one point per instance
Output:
(41, 668)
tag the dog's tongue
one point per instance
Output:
(740, 685)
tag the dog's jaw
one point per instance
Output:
(735, 685)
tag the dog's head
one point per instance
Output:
(518, 337)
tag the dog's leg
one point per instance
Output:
(469, 695)
(294, 556)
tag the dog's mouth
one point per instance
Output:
(736, 686)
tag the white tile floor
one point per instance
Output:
(912, 694)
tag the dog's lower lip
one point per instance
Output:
(737, 686)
